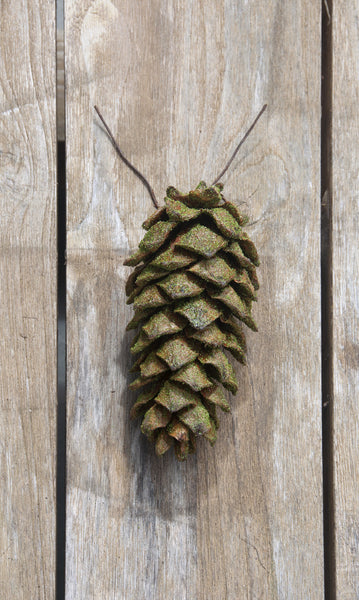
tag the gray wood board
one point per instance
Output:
(179, 83)
(345, 20)
(27, 299)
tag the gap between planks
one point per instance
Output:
(327, 303)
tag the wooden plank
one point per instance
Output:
(179, 83)
(345, 21)
(27, 299)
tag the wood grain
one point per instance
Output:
(179, 82)
(27, 299)
(60, 86)
(345, 296)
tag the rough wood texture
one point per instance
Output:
(60, 86)
(179, 83)
(27, 299)
(345, 295)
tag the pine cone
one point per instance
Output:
(195, 276)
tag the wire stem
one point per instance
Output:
(240, 144)
(126, 161)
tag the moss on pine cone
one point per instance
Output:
(192, 289)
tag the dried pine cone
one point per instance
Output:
(195, 276)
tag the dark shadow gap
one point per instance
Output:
(327, 302)
(61, 375)
(61, 313)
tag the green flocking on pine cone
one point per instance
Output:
(192, 289)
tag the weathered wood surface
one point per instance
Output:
(179, 83)
(27, 299)
(60, 72)
(60, 86)
(345, 296)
